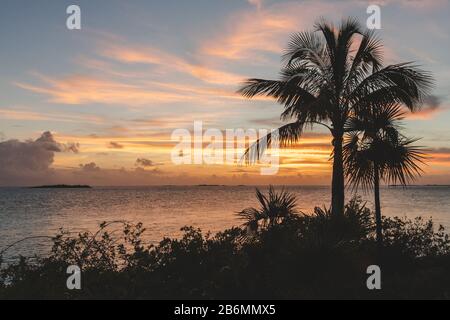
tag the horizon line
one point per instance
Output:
(223, 185)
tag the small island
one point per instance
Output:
(63, 186)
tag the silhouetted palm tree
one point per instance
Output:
(275, 208)
(375, 150)
(329, 75)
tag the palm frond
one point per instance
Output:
(372, 119)
(255, 87)
(368, 59)
(286, 135)
(306, 46)
(402, 83)
(398, 160)
(348, 28)
(358, 168)
(273, 209)
(327, 30)
(403, 161)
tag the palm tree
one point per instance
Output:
(330, 74)
(273, 210)
(375, 150)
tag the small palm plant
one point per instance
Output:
(274, 209)
(375, 150)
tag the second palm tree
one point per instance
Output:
(375, 150)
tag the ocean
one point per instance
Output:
(164, 210)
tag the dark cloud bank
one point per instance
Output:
(26, 162)
(29, 163)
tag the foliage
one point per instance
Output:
(316, 255)
(331, 75)
(374, 145)
(274, 209)
(416, 238)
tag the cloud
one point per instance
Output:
(432, 106)
(30, 155)
(76, 89)
(432, 101)
(439, 156)
(72, 147)
(20, 113)
(415, 4)
(106, 82)
(169, 62)
(442, 150)
(90, 167)
(143, 162)
(115, 145)
(26, 161)
(156, 171)
(82, 89)
(248, 34)
(273, 122)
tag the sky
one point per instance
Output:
(99, 105)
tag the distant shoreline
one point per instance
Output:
(62, 186)
(418, 185)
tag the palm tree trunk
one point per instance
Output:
(337, 184)
(378, 206)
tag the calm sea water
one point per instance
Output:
(164, 210)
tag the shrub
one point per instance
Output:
(301, 256)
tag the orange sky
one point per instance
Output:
(117, 91)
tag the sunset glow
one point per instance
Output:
(118, 94)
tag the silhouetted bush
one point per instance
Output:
(301, 256)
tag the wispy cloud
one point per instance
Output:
(20, 113)
(431, 108)
(115, 145)
(249, 33)
(83, 89)
(157, 86)
(169, 62)
(76, 89)
(414, 4)
(439, 156)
